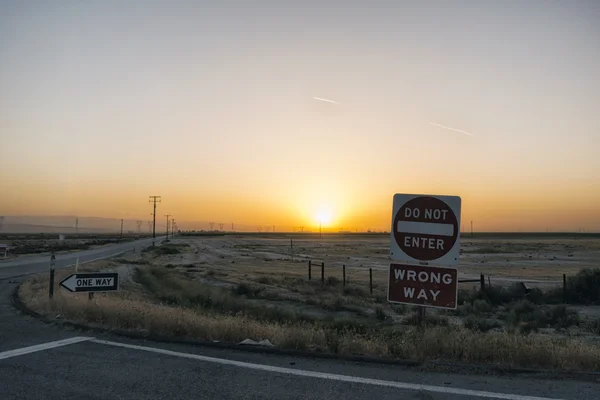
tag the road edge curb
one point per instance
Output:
(481, 369)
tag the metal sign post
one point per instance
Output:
(52, 264)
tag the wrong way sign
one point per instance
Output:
(425, 229)
(91, 282)
(425, 286)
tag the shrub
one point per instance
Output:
(593, 326)
(481, 324)
(380, 314)
(245, 289)
(481, 306)
(584, 288)
(527, 316)
(265, 280)
(430, 320)
(561, 317)
(354, 291)
(332, 281)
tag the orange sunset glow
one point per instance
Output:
(259, 121)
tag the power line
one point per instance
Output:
(154, 199)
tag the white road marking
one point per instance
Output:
(425, 228)
(43, 346)
(324, 375)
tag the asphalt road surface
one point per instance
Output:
(40, 361)
(32, 264)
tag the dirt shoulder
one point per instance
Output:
(233, 289)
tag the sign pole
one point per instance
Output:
(52, 263)
(421, 316)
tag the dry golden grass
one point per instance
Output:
(130, 310)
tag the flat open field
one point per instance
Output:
(540, 261)
(237, 287)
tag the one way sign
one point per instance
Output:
(92, 282)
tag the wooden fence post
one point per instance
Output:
(565, 288)
(371, 280)
(309, 270)
(344, 274)
(322, 273)
(482, 282)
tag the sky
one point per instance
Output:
(215, 107)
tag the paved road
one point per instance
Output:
(32, 264)
(89, 366)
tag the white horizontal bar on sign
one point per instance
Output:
(425, 228)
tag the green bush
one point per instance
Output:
(593, 326)
(481, 324)
(380, 314)
(332, 281)
(561, 317)
(244, 289)
(354, 291)
(481, 306)
(527, 316)
(584, 288)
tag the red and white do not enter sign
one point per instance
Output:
(425, 228)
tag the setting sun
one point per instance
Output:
(324, 217)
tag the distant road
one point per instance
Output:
(30, 265)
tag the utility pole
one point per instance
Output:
(154, 199)
(320, 232)
(121, 228)
(139, 226)
(221, 226)
(273, 228)
(167, 215)
(1, 222)
(172, 228)
(471, 228)
(149, 226)
(212, 225)
(232, 227)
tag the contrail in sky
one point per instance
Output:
(451, 129)
(325, 100)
